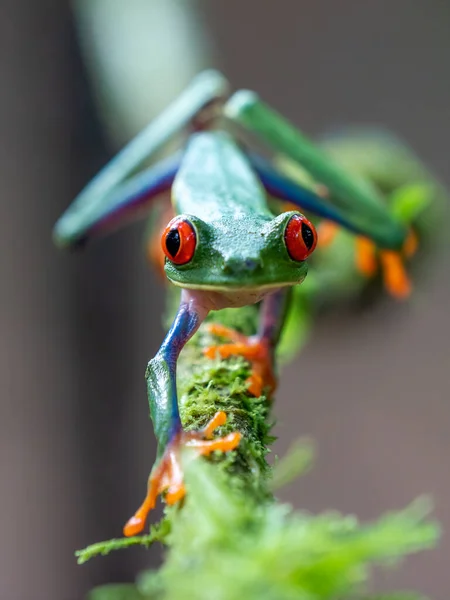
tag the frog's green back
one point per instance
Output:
(215, 180)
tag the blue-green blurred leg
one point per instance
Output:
(95, 198)
(125, 203)
(357, 201)
(258, 349)
(167, 474)
(284, 189)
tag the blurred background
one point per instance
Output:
(372, 389)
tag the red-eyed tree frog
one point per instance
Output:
(225, 245)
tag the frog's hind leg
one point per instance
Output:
(116, 191)
(284, 189)
(374, 242)
(386, 161)
(258, 349)
(167, 474)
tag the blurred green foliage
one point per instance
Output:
(226, 545)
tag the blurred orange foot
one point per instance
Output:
(395, 277)
(254, 349)
(168, 474)
(411, 244)
(326, 232)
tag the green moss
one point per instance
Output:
(207, 386)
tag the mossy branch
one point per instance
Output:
(230, 539)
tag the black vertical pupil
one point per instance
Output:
(307, 235)
(173, 242)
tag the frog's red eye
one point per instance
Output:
(300, 237)
(178, 241)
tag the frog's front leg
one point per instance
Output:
(167, 474)
(258, 349)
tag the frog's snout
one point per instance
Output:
(238, 266)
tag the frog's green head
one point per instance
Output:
(235, 252)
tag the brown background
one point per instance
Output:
(77, 331)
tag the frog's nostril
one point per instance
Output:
(250, 264)
(241, 265)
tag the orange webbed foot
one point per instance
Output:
(167, 476)
(254, 349)
(411, 244)
(395, 277)
(366, 261)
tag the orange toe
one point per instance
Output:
(224, 444)
(254, 349)
(255, 384)
(225, 332)
(366, 262)
(168, 475)
(411, 244)
(175, 494)
(395, 277)
(326, 232)
(134, 526)
(220, 418)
